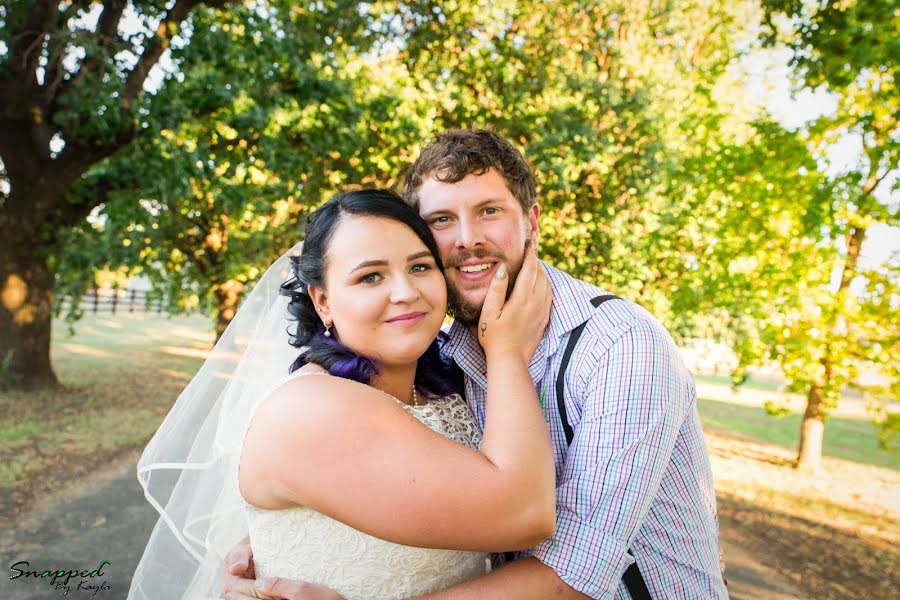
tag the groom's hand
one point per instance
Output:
(276, 588)
(239, 583)
(288, 589)
(238, 576)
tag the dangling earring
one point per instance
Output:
(328, 331)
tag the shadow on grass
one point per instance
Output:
(846, 438)
(850, 506)
(823, 562)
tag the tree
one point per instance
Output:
(72, 94)
(604, 98)
(76, 90)
(360, 123)
(220, 189)
(606, 125)
(849, 49)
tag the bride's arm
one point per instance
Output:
(348, 451)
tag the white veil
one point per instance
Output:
(189, 468)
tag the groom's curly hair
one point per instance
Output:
(457, 153)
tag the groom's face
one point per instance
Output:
(477, 224)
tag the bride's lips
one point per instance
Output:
(407, 318)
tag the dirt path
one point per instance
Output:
(105, 517)
(748, 578)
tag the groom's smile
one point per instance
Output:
(473, 269)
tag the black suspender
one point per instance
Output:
(633, 579)
(561, 376)
(635, 583)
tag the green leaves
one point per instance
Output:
(660, 178)
(243, 138)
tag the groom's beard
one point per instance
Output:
(468, 313)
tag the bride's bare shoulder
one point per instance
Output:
(312, 388)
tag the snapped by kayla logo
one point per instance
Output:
(65, 580)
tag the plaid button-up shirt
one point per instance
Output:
(637, 475)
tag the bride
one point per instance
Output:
(362, 470)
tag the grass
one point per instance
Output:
(120, 375)
(752, 384)
(849, 438)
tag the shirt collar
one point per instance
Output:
(571, 307)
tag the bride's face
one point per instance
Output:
(383, 290)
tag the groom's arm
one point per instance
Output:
(525, 579)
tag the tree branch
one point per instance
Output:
(20, 80)
(91, 153)
(873, 182)
(79, 155)
(873, 179)
(108, 25)
(70, 215)
(157, 45)
(108, 39)
(55, 72)
(854, 241)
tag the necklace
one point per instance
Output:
(415, 399)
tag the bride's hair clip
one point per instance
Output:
(295, 286)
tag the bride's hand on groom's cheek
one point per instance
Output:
(515, 325)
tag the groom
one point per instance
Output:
(635, 502)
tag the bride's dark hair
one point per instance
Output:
(435, 372)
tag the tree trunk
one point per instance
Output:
(812, 431)
(38, 182)
(27, 289)
(228, 297)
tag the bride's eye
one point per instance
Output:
(371, 278)
(420, 268)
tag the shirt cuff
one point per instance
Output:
(585, 558)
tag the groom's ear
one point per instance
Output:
(320, 302)
(534, 218)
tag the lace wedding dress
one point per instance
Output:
(300, 543)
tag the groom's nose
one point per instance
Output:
(468, 234)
